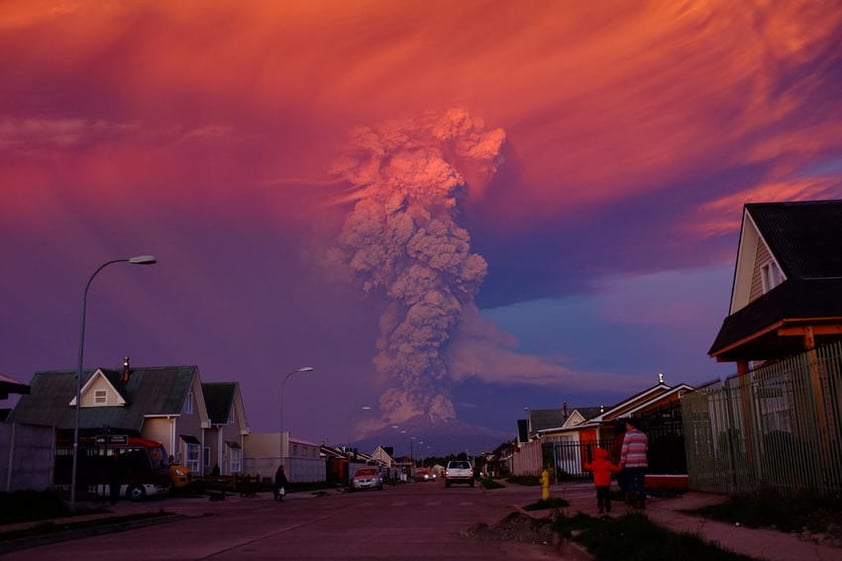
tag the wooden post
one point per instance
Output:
(818, 397)
(748, 426)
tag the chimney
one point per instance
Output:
(564, 409)
(127, 372)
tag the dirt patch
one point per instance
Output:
(516, 527)
(830, 523)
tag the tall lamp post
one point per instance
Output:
(140, 260)
(303, 369)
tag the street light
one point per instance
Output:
(350, 422)
(303, 369)
(139, 260)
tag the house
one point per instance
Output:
(785, 297)
(302, 460)
(26, 451)
(224, 439)
(565, 438)
(784, 333)
(165, 404)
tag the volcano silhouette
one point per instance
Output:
(427, 435)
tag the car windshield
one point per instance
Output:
(460, 465)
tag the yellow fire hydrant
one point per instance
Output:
(545, 485)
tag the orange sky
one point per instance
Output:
(635, 132)
(599, 102)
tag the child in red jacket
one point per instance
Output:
(602, 469)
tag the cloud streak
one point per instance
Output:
(634, 133)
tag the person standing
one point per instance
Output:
(281, 482)
(616, 453)
(602, 469)
(634, 460)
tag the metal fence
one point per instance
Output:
(777, 428)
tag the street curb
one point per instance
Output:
(76, 533)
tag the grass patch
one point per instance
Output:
(28, 506)
(786, 514)
(634, 538)
(552, 502)
(528, 480)
(52, 528)
(489, 483)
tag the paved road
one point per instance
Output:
(412, 522)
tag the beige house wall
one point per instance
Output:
(112, 398)
(762, 257)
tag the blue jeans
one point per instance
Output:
(635, 481)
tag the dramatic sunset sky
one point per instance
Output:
(453, 208)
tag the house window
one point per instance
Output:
(188, 403)
(236, 460)
(192, 462)
(770, 276)
(101, 397)
(206, 457)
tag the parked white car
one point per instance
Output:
(459, 471)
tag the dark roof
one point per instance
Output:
(10, 385)
(806, 240)
(219, 398)
(540, 419)
(805, 237)
(149, 391)
(790, 301)
(591, 412)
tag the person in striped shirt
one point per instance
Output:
(634, 462)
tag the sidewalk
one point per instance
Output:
(768, 545)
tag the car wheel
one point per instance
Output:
(136, 492)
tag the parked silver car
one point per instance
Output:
(367, 478)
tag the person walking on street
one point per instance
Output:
(281, 482)
(602, 469)
(634, 462)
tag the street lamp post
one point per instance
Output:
(303, 369)
(140, 260)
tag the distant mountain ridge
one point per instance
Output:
(425, 435)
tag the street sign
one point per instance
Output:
(103, 439)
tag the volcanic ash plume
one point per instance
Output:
(401, 242)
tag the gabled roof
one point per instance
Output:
(805, 240)
(805, 237)
(149, 391)
(673, 393)
(219, 399)
(576, 419)
(540, 419)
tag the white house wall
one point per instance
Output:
(746, 257)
